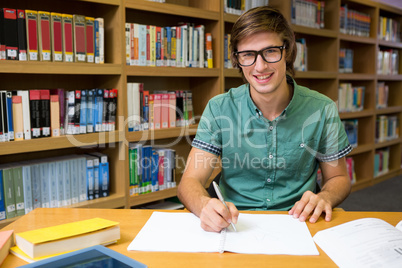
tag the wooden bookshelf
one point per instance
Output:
(204, 83)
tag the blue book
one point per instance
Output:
(103, 174)
(90, 110)
(90, 177)
(98, 112)
(154, 171)
(2, 203)
(83, 112)
(10, 116)
(96, 43)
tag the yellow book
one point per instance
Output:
(67, 237)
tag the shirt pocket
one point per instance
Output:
(299, 156)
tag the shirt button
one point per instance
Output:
(271, 128)
(268, 180)
(269, 200)
(302, 145)
(271, 156)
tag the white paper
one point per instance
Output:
(256, 234)
(367, 242)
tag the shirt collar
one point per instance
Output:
(257, 113)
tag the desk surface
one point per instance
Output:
(131, 222)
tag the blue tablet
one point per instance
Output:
(92, 257)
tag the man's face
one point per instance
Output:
(264, 77)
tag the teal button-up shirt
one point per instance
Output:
(268, 165)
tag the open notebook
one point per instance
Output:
(256, 234)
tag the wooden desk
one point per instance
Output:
(131, 222)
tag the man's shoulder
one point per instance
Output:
(309, 94)
(228, 97)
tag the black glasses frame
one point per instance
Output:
(256, 53)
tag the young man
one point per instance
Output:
(271, 135)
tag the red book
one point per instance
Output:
(32, 33)
(165, 111)
(79, 38)
(90, 38)
(57, 38)
(45, 43)
(157, 110)
(67, 35)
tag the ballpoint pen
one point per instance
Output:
(219, 194)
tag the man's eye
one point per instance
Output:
(249, 54)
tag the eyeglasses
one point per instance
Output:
(270, 54)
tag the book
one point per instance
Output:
(22, 35)
(6, 242)
(9, 193)
(79, 38)
(2, 41)
(18, 118)
(362, 243)
(45, 42)
(45, 112)
(90, 38)
(129, 43)
(2, 198)
(19, 190)
(67, 34)
(208, 51)
(257, 234)
(57, 36)
(10, 33)
(90, 110)
(101, 30)
(103, 174)
(55, 115)
(34, 104)
(10, 123)
(83, 112)
(32, 34)
(67, 237)
(25, 113)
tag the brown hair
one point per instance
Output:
(264, 19)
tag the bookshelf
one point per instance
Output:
(322, 75)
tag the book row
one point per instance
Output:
(158, 109)
(350, 98)
(238, 7)
(308, 13)
(150, 169)
(389, 29)
(354, 22)
(387, 128)
(351, 129)
(346, 60)
(350, 167)
(382, 95)
(381, 162)
(185, 45)
(300, 63)
(26, 114)
(56, 182)
(48, 36)
(388, 62)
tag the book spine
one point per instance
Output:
(67, 183)
(9, 193)
(83, 112)
(105, 109)
(52, 182)
(2, 198)
(44, 185)
(79, 38)
(3, 116)
(90, 110)
(98, 112)
(96, 177)
(36, 186)
(34, 104)
(18, 120)
(83, 191)
(77, 111)
(57, 36)
(67, 34)
(10, 115)
(45, 43)
(19, 190)
(90, 39)
(10, 33)
(55, 115)
(45, 112)
(59, 184)
(101, 40)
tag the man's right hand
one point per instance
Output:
(215, 216)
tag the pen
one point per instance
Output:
(219, 194)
